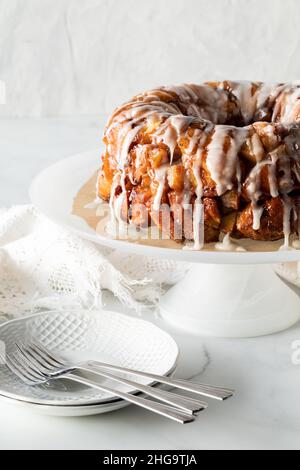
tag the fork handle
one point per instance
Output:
(163, 410)
(217, 393)
(187, 404)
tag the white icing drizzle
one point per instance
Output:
(203, 101)
(286, 102)
(272, 176)
(94, 204)
(198, 225)
(199, 187)
(296, 243)
(130, 135)
(116, 225)
(112, 224)
(257, 214)
(215, 161)
(198, 211)
(227, 244)
(256, 147)
(160, 176)
(254, 193)
(223, 166)
(264, 94)
(169, 138)
(139, 152)
(287, 208)
(247, 99)
(185, 92)
(291, 105)
(171, 132)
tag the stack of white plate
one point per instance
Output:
(85, 335)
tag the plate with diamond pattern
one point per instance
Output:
(86, 335)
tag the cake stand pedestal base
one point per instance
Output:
(231, 301)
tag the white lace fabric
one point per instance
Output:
(45, 266)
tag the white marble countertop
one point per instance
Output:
(265, 412)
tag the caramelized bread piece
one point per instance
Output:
(271, 221)
(228, 224)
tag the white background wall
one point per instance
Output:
(62, 57)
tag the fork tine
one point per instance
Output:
(33, 372)
(18, 371)
(47, 355)
(34, 359)
(206, 390)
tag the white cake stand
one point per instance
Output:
(228, 294)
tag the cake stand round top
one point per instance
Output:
(64, 193)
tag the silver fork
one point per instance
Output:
(32, 375)
(210, 391)
(39, 357)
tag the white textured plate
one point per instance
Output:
(53, 193)
(98, 335)
(67, 411)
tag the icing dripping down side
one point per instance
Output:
(228, 244)
(116, 225)
(160, 176)
(222, 157)
(287, 208)
(198, 226)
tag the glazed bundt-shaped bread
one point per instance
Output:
(221, 157)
